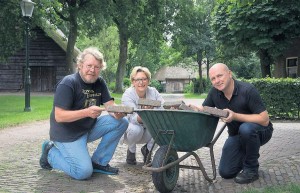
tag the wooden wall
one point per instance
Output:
(47, 62)
(280, 62)
(175, 85)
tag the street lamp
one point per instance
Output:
(27, 9)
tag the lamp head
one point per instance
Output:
(27, 7)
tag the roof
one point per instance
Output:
(172, 72)
(59, 37)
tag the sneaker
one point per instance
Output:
(130, 159)
(246, 177)
(145, 153)
(47, 145)
(105, 169)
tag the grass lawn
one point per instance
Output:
(289, 188)
(195, 96)
(12, 109)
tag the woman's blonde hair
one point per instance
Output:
(137, 69)
(94, 52)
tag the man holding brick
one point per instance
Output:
(248, 124)
(75, 121)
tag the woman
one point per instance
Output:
(136, 132)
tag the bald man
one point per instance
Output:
(248, 124)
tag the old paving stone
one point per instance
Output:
(20, 150)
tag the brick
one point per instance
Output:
(216, 112)
(120, 109)
(149, 102)
(185, 107)
(174, 104)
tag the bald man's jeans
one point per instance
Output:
(241, 151)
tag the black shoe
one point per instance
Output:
(130, 159)
(246, 177)
(145, 153)
(47, 145)
(105, 169)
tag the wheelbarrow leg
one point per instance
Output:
(161, 132)
(212, 157)
(168, 162)
(217, 136)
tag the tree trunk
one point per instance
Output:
(122, 62)
(199, 61)
(207, 69)
(71, 42)
(265, 63)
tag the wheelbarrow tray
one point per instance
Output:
(190, 130)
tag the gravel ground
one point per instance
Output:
(20, 149)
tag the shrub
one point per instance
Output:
(189, 88)
(112, 86)
(206, 85)
(280, 95)
(126, 82)
(156, 84)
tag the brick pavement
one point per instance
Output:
(20, 172)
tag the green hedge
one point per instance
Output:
(281, 96)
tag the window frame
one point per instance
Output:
(291, 67)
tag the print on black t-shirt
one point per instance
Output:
(90, 98)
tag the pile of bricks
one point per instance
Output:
(168, 105)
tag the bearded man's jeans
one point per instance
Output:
(241, 151)
(73, 157)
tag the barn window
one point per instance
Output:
(291, 67)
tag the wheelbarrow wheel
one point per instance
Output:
(166, 180)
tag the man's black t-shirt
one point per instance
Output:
(72, 93)
(245, 99)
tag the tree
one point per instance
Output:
(191, 31)
(245, 67)
(108, 43)
(136, 21)
(75, 15)
(145, 54)
(264, 27)
(11, 28)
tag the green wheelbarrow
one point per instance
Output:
(178, 131)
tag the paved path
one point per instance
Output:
(20, 150)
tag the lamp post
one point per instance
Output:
(27, 9)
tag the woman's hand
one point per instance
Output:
(146, 107)
(118, 115)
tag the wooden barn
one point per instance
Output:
(173, 79)
(47, 62)
(287, 65)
